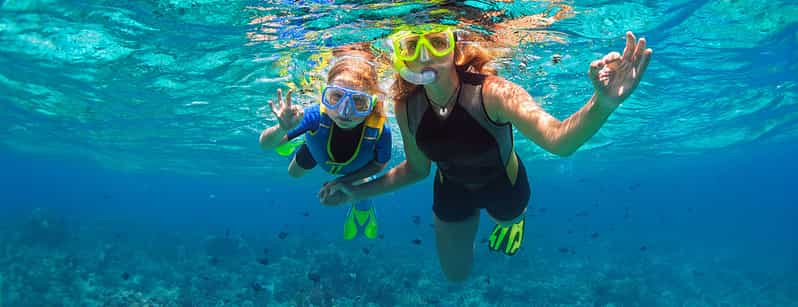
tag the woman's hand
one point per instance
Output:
(615, 77)
(288, 115)
(335, 193)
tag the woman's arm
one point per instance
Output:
(614, 78)
(507, 102)
(415, 167)
(369, 170)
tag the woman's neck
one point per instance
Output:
(441, 91)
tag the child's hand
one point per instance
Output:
(288, 115)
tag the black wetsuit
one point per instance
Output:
(472, 153)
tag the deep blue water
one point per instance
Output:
(131, 175)
(724, 221)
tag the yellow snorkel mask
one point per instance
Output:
(407, 43)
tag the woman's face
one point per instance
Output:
(427, 61)
(422, 52)
(346, 121)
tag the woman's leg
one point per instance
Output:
(455, 243)
(508, 222)
(514, 193)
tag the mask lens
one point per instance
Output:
(440, 41)
(362, 103)
(408, 45)
(333, 96)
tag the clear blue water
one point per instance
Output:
(131, 173)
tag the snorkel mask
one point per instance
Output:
(348, 102)
(407, 44)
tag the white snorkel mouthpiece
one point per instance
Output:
(417, 78)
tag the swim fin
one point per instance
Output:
(361, 218)
(288, 148)
(507, 239)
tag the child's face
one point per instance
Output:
(346, 121)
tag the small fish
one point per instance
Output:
(483, 240)
(416, 220)
(282, 235)
(556, 58)
(543, 210)
(432, 225)
(433, 301)
(125, 276)
(570, 231)
(643, 248)
(256, 286)
(634, 186)
(366, 251)
(407, 284)
(689, 209)
(315, 277)
(381, 236)
(416, 241)
(305, 213)
(583, 213)
(697, 273)
(581, 180)
(570, 220)
(265, 250)
(214, 260)
(594, 235)
(263, 261)
(107, 196)
(563, 250)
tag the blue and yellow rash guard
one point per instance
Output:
(340, 151)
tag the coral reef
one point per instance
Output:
(304, 270)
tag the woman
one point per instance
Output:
(453, 109)
(345, 134)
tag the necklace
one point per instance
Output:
(443, 110)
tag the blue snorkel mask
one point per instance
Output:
(347, 102)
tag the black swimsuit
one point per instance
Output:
(471, 152)
(468, 152)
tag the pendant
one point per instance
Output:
(442, 111)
